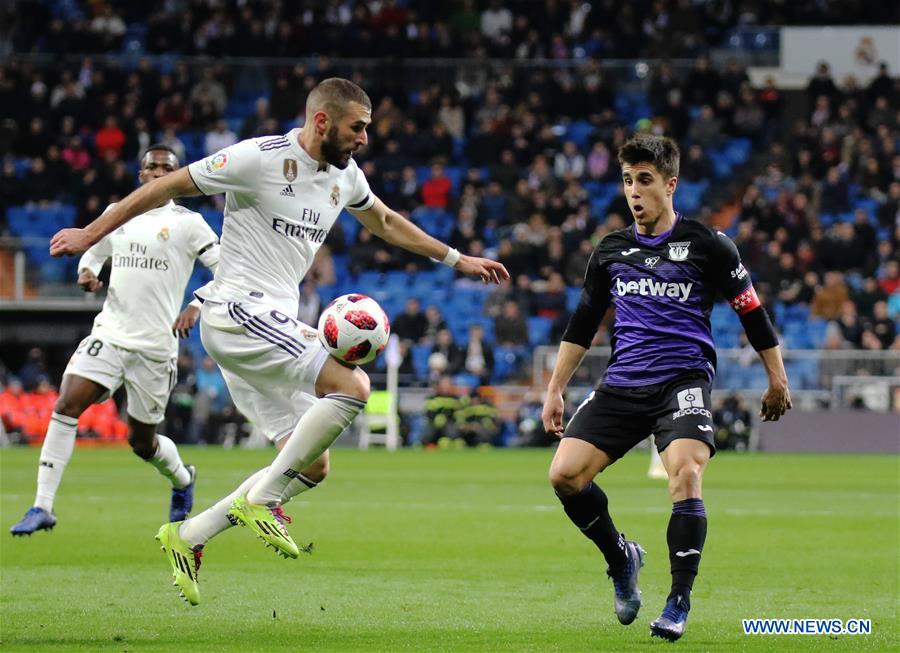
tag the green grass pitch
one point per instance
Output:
(449, 551)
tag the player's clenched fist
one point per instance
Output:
(69, 242)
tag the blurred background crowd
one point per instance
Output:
(509, 153)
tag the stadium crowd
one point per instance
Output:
(522, 29)
(518, 162)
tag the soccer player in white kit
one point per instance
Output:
(133, 341)
(283, 194)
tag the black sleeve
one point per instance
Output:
(592, 305)
(729, 275)
(733, 280)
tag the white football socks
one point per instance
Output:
(319, 427)
(198, 530)
(168, 462)
(55, 454)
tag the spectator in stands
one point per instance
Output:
(38, 186)
(110, 138)
(889, 279)
(822, 84)
(569, 162)
(440, 408)
(173, 112)
(706, 131)
(436, 189)
(254, 124)
(219, 138)
(829, 298)
(733, 423)
(849, 324)
(867, 296)
(749, 119)
(476, 420)
(170, 139)
(510, 327)
(835, 193)
(410, 324)
(445, 345)
(696, 166)
(75, 154)
(434, 323)
(550, 300)
(478, 355)
(34, 370)
(881, 325)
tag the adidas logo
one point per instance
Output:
(287, 191)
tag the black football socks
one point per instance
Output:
(686, 535)
(588, 510)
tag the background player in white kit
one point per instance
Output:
(283, 194)
(133, 341)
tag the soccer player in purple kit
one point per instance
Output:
(662, 275)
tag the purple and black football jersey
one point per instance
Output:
(663, 289)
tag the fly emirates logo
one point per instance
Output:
(648, 287)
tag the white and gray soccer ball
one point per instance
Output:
(354, 329)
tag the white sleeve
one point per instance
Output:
(234, 169)
(204, 243)
(94, 258)
(361, 197)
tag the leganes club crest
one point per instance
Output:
(679, 251)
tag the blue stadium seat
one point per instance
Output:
(539, 330)
(420, 354)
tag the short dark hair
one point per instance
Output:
(334, 94)
(659, 151)
(160, 147)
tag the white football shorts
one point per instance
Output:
(270, 362)
(148, 382)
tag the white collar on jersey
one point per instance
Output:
(306, 160)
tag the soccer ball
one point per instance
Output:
(354, 329)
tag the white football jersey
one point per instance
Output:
(278, 209)
(152, 259)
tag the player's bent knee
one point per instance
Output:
(70, 408)
(141, 446)
(685, 481)
(339, 379)
(567, 480)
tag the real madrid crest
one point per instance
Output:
(290, 169)
(679, 251)
(335, 198)
(163, 235)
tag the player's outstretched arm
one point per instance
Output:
(392, 227)
(567, 361)
(776, 400)
(68, 242)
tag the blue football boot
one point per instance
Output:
(183, 499)
(625, 583)
(36, 519)
(670, 624)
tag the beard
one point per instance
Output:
(333, 154)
